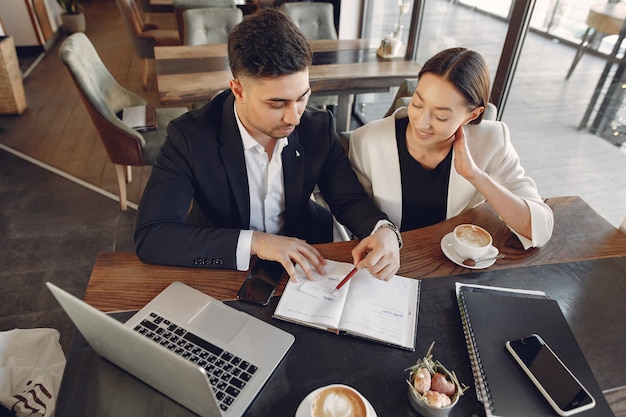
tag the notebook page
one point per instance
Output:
(304, 301)
(382, 310)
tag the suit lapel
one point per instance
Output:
(231, 153)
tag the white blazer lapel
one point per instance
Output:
(387, 187)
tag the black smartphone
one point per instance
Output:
(261, 283)
(556, 383)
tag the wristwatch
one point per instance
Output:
(386, 224)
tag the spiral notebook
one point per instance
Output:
(493, 315)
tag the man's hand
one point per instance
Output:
(379, 254)
(288, 250)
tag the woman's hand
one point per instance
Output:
(510, 207)
(463, 161)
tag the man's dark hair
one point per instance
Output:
(267, 44)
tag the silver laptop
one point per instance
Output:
(203, 354)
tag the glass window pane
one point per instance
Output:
(544, 111)
(497, 7)
(445, 24)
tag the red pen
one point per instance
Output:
(350, 274)
(343, 281)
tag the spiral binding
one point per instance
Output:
(482, 388)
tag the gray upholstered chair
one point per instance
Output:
(145, 36)
(316, 21)
(622, 227)
(209, 25)
(181, 5)
(104, 99)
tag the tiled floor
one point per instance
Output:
(52, 230)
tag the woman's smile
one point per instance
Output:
(421, 134)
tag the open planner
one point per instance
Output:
(493, 315)
(383, 311)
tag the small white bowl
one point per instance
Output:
(428, 410)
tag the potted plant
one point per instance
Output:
(72, 17)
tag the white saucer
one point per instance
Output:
(305, 406)
(448, 249)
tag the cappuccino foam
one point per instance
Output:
(473, 236)
(338, 402)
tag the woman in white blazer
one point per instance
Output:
(437, 158)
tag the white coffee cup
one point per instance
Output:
(338, 401)
(471, 241)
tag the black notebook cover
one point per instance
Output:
(494, 319)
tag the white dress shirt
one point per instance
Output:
(267, 192)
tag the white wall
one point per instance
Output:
(350, 19)
(18, 23)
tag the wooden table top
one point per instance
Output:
(218, 50)
(187, 74)
(119, 281)
(606, 17)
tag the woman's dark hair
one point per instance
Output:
(267, 44)
(467, 71)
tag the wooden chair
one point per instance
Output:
(104, 99)
(316, 21)
(209, 25)
(145, 36)
(181, 5)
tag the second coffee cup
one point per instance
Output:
(471, 241)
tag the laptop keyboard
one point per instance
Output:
(227, 373)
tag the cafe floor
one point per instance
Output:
(52, 230)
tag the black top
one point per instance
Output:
(424, 191)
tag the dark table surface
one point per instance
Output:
(590, 293)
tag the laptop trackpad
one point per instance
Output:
(219, 321)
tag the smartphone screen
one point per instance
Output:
(562, 390)
(261, 283)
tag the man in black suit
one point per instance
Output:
(234, 178)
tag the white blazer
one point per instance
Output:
(374, 157)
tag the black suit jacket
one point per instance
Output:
(197, 200)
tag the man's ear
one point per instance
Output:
(236, 88)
